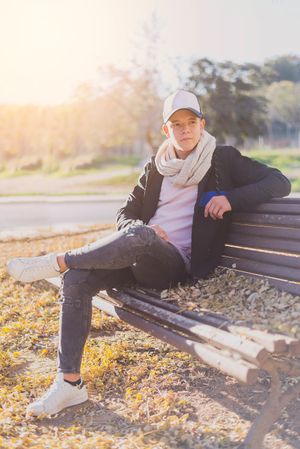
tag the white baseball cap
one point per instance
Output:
(181, 99)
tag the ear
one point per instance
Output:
(202, 124)
(165, 130)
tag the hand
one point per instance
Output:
(217, 206)
(160, 232)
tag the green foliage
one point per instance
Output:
(120, 180)
(229, 95)
(286, 160)
(284, 102)
(295, 185)
(69, 167)
(129, 160)
(285, 68)
(283, 159)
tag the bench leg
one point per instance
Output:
(270, 412)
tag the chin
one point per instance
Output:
(187, 149)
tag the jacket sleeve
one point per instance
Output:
(130, 213)
(254, 182)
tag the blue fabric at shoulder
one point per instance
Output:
(206, 196)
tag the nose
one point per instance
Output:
(185, 127)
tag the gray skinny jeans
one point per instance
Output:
(132, 256)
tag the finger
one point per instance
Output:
(207, 207)
(212, 216)
(220, 212)
(160, 232)
(165, 236)
(212, 211)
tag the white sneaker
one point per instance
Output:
(60, 395)
(30, 269)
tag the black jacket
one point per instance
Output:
(246, 183)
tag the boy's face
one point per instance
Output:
(184, 129)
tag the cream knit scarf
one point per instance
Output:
(189, 171)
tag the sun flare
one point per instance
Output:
(42, 41)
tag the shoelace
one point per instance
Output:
(37, 268)
(42, 264)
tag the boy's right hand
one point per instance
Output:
(216, 207)
(160, 232)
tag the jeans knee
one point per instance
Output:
(142, 234)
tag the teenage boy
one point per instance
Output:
(171, 228)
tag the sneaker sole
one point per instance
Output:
(72, 404)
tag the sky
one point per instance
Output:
(49, 47)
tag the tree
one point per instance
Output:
(285, 68)
(284, 104)
(136, 91)
(228, 93)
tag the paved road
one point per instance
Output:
(22, 216)
(19, 216)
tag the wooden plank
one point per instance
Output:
(239, 369)
(272, 244)
(271, 342)
(283, 233)
(250, 351)
(251, 266)
(271, 258)
(286, 200)
(293, 346)
(292, 208)
(204, 316)
(267, 219)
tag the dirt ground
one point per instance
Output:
(174, 402)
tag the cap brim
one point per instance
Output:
(199, 114)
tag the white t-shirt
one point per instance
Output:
(175, 214)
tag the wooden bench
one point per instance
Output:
(262, 243)
(266, 242)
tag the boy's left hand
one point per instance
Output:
(217, 206)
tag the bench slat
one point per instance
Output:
(266, 231)
(279, 208)
(254, 266)
(267, 219)
(272, 258)
(241, 370)
(271, 342)
(249, 350)
(273, 244)
(282, 201)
